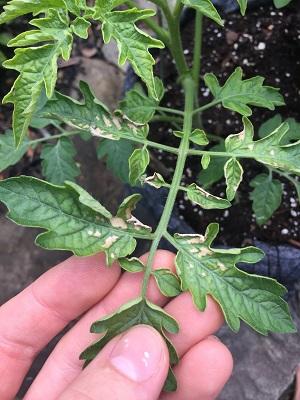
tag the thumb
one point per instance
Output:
(132, 366)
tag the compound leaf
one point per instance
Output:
(204, 199)
(134, 313)
(9, 155)
(233, 174)
(133, 43)
(266, 197)
(268, 150)
(138, 162)
(206, 7)
(237, 94)
(58, 164)
(204, 271)
(69, 223)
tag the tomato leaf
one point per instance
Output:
(204, 271)
(237, 94)
(266, 197)
(58, 163)
(71, 223)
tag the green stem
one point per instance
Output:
(170, 110)
(166, 118)
(207, 106)
(58, 136)
(188, 85)
(197, 61)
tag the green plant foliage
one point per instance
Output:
(206, 7)
(133, 43)
(266, 197)
(70, 224)
(281, 3)
(292, 135)
(58, 163)
(237, 94)
(116, 154)
(167, 282)
(138, 163)
(233, 175)
(138, 107)
(91, 115)
(42, 59)
(9, 155)
(131, 264)
(215, 170)
(268, 150)
(204, 199)
(72, 219)
(204, 270)
(136, 312)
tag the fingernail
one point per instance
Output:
(138, 353)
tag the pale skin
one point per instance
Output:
(86, 287)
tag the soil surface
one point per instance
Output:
(266, 42)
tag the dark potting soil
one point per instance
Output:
(266, 42)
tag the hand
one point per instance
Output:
(123, 370)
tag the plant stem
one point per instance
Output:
(166, 118)
(58, 136)
(207, 106)
(188, 85)
(197, 61)
(170, 110)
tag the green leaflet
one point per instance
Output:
(268, 150)
(138, 162)
(167, 282)
(233, 174)
(9, 155)
(204, 199)
(206, 7)
(243, 6)
(134, 313)
(197, 136)
(133, 43)
(42, 60)
(281, 3)
(205, 161)
(131, 265)
(237, 94)
(215, 170)
(116, 154)
(206, 271)
(138, 107)
(80, 27)
(16, 8)
(156, 180)
(266, 197)
(69, 223)
(91, 115)
(58, 163)
(292, 135)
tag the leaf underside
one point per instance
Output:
(206, 271)
(136, 312)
